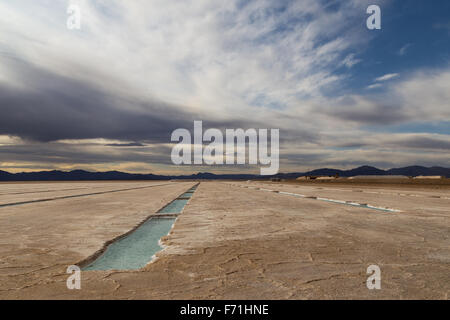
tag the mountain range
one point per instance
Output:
(81, 175)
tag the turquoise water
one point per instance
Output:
(175, 206)
(187, 195)
(135, 250)
(360, 205)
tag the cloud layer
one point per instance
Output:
(109, 95)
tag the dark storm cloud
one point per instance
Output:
(69, 153)
(48, 107)
(54, 107)
(133, 144)
(351, 145)
(412, 141)
(424, 143)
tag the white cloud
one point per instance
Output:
(404, 49)
(426, 95)
(350, 60)
(374, 86)
(219, 57)
(387, 77)
(222, 61)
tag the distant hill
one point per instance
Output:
(4, 176)
(360, 171)
(412, 171)
(420, 171)
(364, 171)
(81, 175)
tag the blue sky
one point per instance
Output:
(414, 35)
(108, 96)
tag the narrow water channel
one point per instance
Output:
(137, 249)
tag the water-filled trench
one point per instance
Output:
(138, 248)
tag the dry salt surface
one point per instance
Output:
(232, 241)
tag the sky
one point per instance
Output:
(109, 95)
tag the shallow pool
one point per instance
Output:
(135, 250)
(175, 206)
(187, 195)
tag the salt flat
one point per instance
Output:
(14, 193)
(231, 242)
